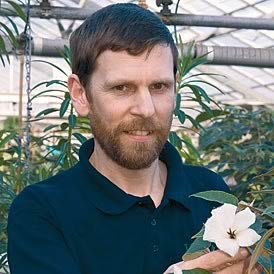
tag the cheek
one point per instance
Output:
(111, 110)
(166, 104)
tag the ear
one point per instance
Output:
(78, 95)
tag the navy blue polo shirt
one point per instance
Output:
(79, 222)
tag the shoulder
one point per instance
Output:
(203, 179)
(41, 196)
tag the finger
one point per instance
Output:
(173, 267)
(236, 268)
(257, 269)
(215, 260)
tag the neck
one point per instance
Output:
(149, 181)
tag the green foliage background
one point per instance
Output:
(238, 142)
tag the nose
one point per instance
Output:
(143, 104)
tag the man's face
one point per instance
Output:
(132, 99)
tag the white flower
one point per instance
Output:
(230, 230)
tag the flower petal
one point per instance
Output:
(244, 219)
(225, 215)
(230, 246)
(247, 237)
(214, 229)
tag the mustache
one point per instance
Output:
(147, 124)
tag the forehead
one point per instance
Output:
(157, 61)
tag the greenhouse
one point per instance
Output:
(136, 136)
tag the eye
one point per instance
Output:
(158, 87)
(123, 88)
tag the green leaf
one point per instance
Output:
(194, 123)
(58, 82)
(207, 83)
(18, 10)
(13, 25)
(258, 226)
(199, 234)
(200, 91)
(197, 248)
(39, 94)
(64, 106)
(178, 102)
(7, 138)
(46, 112)
(175, 139)
(204, 116)
(51, 64)
(2, 45)
(265, 262)
(10, 35)
(48, 83)
(268, 210)
(65, 53)
(72, 120)
(49, 127)
(81, 138)
(217, 196)
(181, 116)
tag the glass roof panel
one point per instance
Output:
(242, 84)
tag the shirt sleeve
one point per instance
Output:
(35, 244)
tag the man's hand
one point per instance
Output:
(218, 262)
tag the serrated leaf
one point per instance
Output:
(217, 196)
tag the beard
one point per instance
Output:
(128, 153)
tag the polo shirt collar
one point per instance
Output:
(109, 198)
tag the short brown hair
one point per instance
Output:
(117, 27)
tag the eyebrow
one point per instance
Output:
(121, 81)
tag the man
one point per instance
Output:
(125, 207)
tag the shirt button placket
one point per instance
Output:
(153, 222)
(155, 246)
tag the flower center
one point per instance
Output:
(231, 233)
